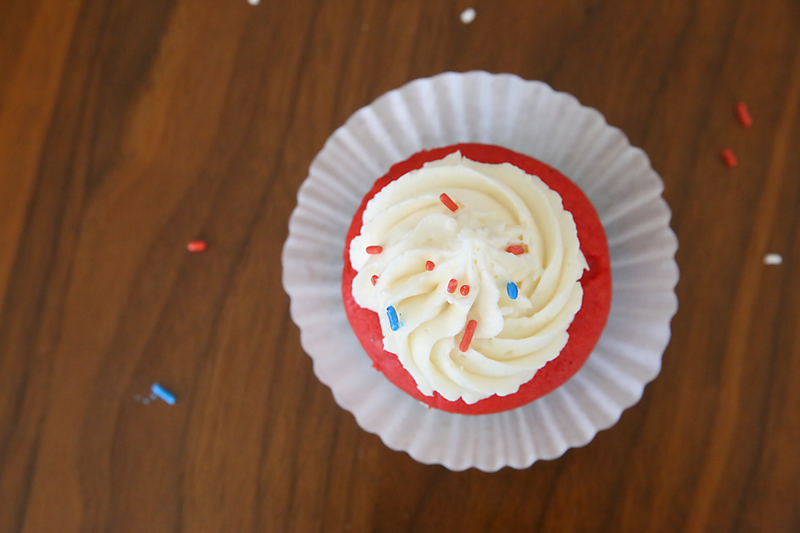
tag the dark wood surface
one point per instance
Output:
(129, 128)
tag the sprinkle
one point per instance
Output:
(773, 259)
(464, 290)
(429, 265)
(197, 246)
(451, 286)
(743, 115)
(394, 323)
(374, 280)
(515, 249)
(468, 333)
(729, 158)
(163, 393)
(468, 15)
(374, 250)
(253, 2)
(512, 289)
(447, 201)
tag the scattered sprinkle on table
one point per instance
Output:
(163, 393)
(729, 158)
(253, 2)
(144, 399)
(468, 15)
(197, 246)
(468, 333)
(743, 114)
(773, 259)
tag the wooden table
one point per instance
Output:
(129, 128)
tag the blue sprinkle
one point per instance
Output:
(394, 323)
(163, 393)
(512, 289)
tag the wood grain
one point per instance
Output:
(129, 128)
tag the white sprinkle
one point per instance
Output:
(773, 259)
(253, 2)
(468, 15)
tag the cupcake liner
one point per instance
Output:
(531, 118)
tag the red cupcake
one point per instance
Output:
(480, 281)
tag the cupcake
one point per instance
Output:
(477, 279)
(346, 340)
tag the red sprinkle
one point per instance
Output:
(374, 250)
(451, 287)
(429, 266)
(468, 333)
(729, 158)
(464, 290)
(515, 249)
(374, 280)
(743, 115)
(197, 246)
(446, 200)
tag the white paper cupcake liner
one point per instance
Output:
(531, 118)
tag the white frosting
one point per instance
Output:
(499, 206)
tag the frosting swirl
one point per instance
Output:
(513, 252)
